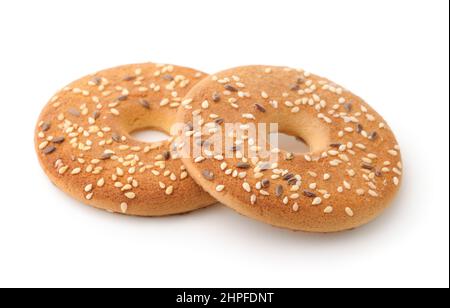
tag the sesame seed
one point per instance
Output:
(88, 188)
(123, 207)
(360, 192)
(246, 187)
(220, 188)
(393, 152)
(63, 169)
(396, 181)
(349, 212)
(205, 104)
(347, 185)
(253, 199)
(101, 182)
(43, 145)
(199, 159)
(75, 171)
(328, 210)
(295, 207)
(326, 176)
(169, 190)
(248, 116)
(317, 201)
(373, 193)
(130, 195)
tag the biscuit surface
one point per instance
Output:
(84, 145)
(349, 177)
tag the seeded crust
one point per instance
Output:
(349, 178)
(84, 145)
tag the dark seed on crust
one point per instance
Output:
(265, 183)
(129, 78)
(58, 140)
(48, 150)
(45, 126)
(189, 127)
(294, 87)
(242, 165)
(219, 121)
(216, 97)
(106, 156)
(279, 191)
(116, 137)
(260, 108)
(265, 166)
(288, 176)
(166, 155)
(335, 145)
(359, 128)
(309, 194)
(96, 80)
(234, 148)
(122, 98)
(208, 175)
(300, 80)
(298, 138)
(292, 181)
(74, 112)
(96, 114)
(168, 77)
(378, 173)
(348, 107)
(373, 135)
(230, 88)
(290, 156)
(144, 103)
(367, 166)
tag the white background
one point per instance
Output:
(392, 53)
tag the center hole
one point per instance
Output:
(150, 135)
(289, 143)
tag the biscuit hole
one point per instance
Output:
(150, 135)
(289, 143)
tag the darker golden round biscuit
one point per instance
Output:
(350, 176)
(84, 145)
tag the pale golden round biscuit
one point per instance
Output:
(84, 145)
(350, 176)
